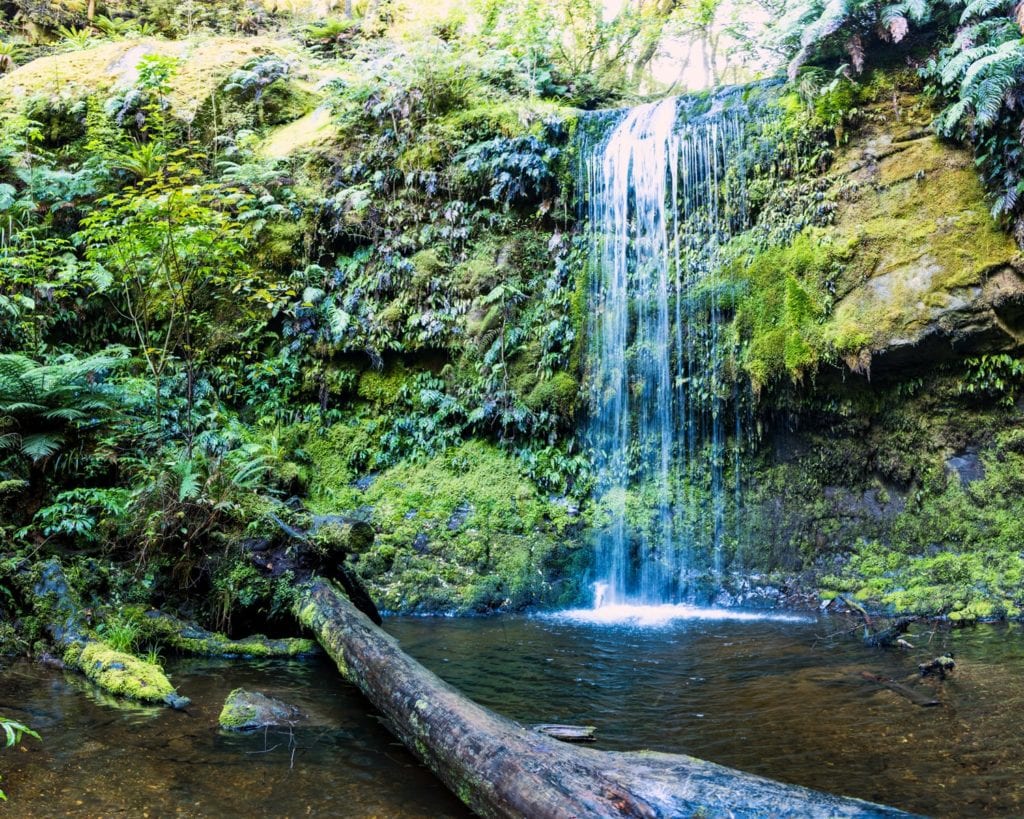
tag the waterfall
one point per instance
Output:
(662, 197)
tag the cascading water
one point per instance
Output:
(662, 197)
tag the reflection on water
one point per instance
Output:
(784, 700)
(103, 757)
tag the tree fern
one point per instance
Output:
(41, 403)
(984, 8)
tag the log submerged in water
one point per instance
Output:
(501, 768)
(114, 671)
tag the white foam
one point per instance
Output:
(666, 614)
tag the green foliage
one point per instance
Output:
(43, 406)
(120, 633)
(782, 299)
(999, 376)
(14, 732)
(83, 515)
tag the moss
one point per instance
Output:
(120, 673)
(206, 63)
(955, 552)
(281, 242)
(558, 394)
(383, 388)
(304, 134)
(463, 530)
(337, 455)
(918, 234)
(237, 713)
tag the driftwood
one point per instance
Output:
(501, 768)
(916, 697)
(190, 638)
(885, 637)
(567, 733)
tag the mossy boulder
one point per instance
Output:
(250, 710)
(462, 531)
(927, 270)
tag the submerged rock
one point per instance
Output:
(249, 710)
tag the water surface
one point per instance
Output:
(782, 699)
(100, 757)
(785, 700)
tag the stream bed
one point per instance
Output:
(786, 700)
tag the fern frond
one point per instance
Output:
(40, 445)
(983, 8)
(954, 69)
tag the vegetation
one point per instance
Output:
(259, 269)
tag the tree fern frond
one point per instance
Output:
(40, 445)
(954, 69)
(831, 20)
(1001, 61)
(949, 120)
(983, 8)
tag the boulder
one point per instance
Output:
(250, 710)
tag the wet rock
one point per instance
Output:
(939, 667)
(249, 710)
(366, 481)
(459, 516)
(421, 544)
(967, 466)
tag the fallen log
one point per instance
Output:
(916, 697)
(501, 768)
(114, 671)
(190, 638)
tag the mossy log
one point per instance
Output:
(114, 671)
(501, 768)
(191, 639)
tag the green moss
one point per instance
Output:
(558, 394)
(236, 713)
(462, 530)
(120, 673)
(281, 243)
(920, 232)
(337, 455)
(956, 553)
(383, 388)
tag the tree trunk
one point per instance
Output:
(500, 768)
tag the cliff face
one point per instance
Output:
(893, 460)
(422, 346)
(929, 276)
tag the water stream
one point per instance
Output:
(782, 699)
(661, 198)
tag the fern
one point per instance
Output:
(41, 403)
(983, 8)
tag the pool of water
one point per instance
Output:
(786, 699)
(102, 758)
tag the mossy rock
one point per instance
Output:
(250, 710)
(558, 394)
